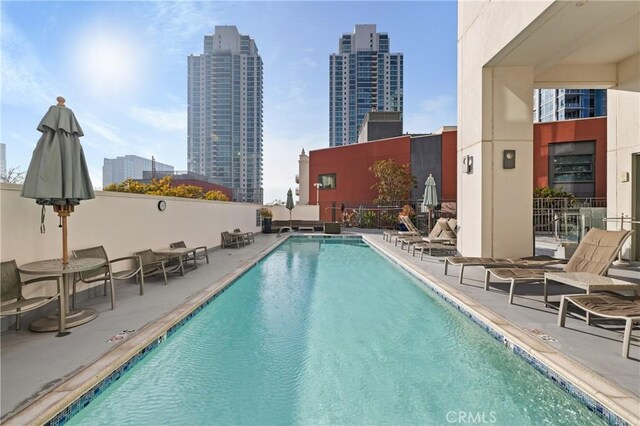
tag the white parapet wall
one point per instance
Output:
(300, 212)
(122, 223)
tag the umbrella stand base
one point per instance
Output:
(74, 318)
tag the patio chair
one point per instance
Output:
(247, 236)
(198, 253)
(151, 265)
(494, 262)
(608, 305)
(229, 240)
(105, 273)
(12, 302)
(595, 253)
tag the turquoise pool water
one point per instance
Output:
(329, 332)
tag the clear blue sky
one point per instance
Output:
(122, 67)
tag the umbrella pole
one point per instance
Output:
(64, 212)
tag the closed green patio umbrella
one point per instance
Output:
(58, 175)
(430, 199)
(289, 205)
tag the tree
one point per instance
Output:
(394, 181)
(163, 187)
(13, 175)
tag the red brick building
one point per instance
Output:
(571, 154)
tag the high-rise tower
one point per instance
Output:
(568, 104)
(225, 113)
(363, 77)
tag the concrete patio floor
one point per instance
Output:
(32, 363)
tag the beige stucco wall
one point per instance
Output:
(122, 223)
(494, 114)
(623, 141)
(300, 212)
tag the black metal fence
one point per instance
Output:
(551, 216)
(367, 214)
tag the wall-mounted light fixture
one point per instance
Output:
(467, 164)
(509, 159)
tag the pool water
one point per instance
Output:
(326, 332)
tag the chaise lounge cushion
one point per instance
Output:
(595, 254)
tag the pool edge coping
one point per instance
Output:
(49, 403)
(613, 397)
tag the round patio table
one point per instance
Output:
(64, 318)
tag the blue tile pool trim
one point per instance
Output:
(603, 412)
(592, 404)
(85, 399)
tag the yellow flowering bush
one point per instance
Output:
(163, 187)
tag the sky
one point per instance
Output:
(122, 67)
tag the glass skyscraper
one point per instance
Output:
(363, 77)
(115, 170)
(225, 113)
(567, 104)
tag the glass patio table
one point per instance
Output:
(64, 318)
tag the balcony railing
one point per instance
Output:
(568, 218)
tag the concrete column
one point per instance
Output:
(495, 203)
(303, 179)
(623, 146)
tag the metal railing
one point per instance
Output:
(551, 213)
(367, 214)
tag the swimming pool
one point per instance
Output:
(328, 331)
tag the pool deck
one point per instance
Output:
(34, 363)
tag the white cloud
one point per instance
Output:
(178, 23)
(23, 75)
(159, 119)
(431, 115)
(107, 132)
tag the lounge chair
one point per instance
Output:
(445, 241)
(229, 240)
(430, 247)
(411, 230)
(494, 262)
(151, 265)
(611, 306)
(441, 233)
(12, 302)
(387, 235)
(105, 273)
(198, 253)
(595, 253)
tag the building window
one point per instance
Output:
(328, 181)
(573, 168)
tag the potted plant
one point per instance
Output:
(266, 215)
